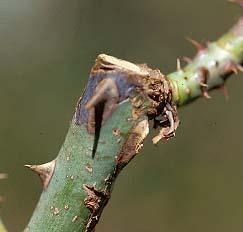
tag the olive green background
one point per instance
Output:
(193, 183)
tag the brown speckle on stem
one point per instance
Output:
(116, 132)
(89, 168)
(74, 219)
(178, 64)
(56, 211)
(224, 90)
(188, 60)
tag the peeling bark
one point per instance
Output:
(96, 201)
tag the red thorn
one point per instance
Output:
(224, 91)
(200, 47)
(240, 2)
(188, 60)
(232, 67)
(204, 73)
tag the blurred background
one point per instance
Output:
(192, 183)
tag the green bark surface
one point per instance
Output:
(61, 206)
(218, 58)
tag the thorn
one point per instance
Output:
(204, 73)
(74, 219)
(224, 91)
(200, 47)
(240, 67)
(233, 67)
(45, 172)
(188, 91)
(203, 84)
(188, 60)
(178, 64)
(206, 95)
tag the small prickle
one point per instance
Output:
(56, 211)
(188, 60)
(200, 47)
(206, 95)
(233, 67)
(204, 73)
(224, 91)
(178, 64)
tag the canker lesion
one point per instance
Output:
(112, 81)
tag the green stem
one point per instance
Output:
(211, 66)
(110, 124)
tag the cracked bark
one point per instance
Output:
(111, 122)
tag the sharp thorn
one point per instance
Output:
(234, 70)
(45, 172)
(233, 67)
(188, 60)
(178, 64)
(199, 46)
(224, 91)
(206, 95)
(240, 67)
